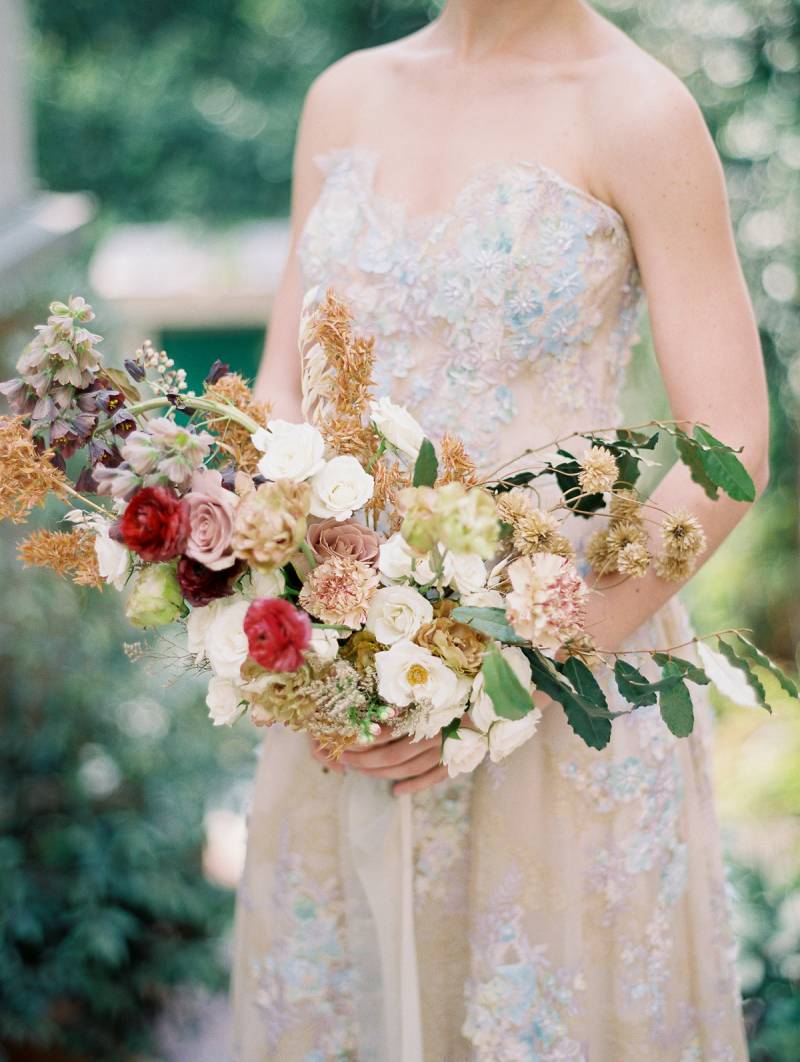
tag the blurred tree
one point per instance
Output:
(104, 781)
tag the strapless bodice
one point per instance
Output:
(505, 318)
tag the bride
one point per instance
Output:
(494, 196)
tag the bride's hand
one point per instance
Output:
(411, 765)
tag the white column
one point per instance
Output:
(16, 164)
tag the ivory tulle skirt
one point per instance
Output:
(565, 904)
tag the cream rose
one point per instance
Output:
(324, 645)
(225, 640)
(340, 488)
(463, 752)
(506, 735)
(484, 599)
(398, 427)
(224, 700)
(264, 584)
(291, 451)
(396, 558)
(481, 708)
(468, 572)
(197, 624)
(397, 612)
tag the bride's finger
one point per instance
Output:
(401, 750)
(385, 737)
(423, 781)
(419, 765)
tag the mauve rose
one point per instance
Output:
(346, 538)
(211, 513)
(277, 633)
(155, 524)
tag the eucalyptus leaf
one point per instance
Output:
(591, 725)
(426, 467)
(675, 702)
(686, 667)
(741, 663)
(510, 698)
(724, 467)
(489, 621)
(632, 684)
(787, 684)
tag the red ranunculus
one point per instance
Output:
(277, 633)
(155, 524)
(201, 585)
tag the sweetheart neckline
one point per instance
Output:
(430, 217)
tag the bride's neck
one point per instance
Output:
(475, 29)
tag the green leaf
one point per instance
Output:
(675, 702)
(426, 467)
(754, 653)
(689, 453)
(593, 726)
(451, 730)
(510, 698)
(724, 467)
(739, 662)
(489, 621)
(632, 684)
(583, 681)
(685, 667)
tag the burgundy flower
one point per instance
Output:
(201, 585)
(155, 524)
(277, 633)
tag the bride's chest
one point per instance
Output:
(522, 257)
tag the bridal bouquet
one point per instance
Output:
(344, 573)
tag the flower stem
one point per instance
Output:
(307, 552)
(208, 405)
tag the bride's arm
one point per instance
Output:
(668, 183)
(321, 127)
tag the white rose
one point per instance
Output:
(423, 572)
(113, 559)
(396, 558)
(481, 708)
(324, 644)
(484, 599)
(226, 642)
(408, 673)
(398, 426)
(224, 700)
(463, 752)
(506, 735)
(197, 624)
(397, 612)
(340, 488)
(468, 572)
(264, 584)
(291, 451)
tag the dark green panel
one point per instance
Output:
(195, 350)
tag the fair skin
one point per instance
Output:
(552, 81)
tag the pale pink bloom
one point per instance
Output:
(547, 603)
(339, 591)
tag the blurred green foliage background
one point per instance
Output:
(187, 110)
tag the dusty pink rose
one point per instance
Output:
(211, 514)
(345, 538)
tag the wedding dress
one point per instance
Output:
(566, 903)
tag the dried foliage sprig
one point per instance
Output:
(70, 554)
